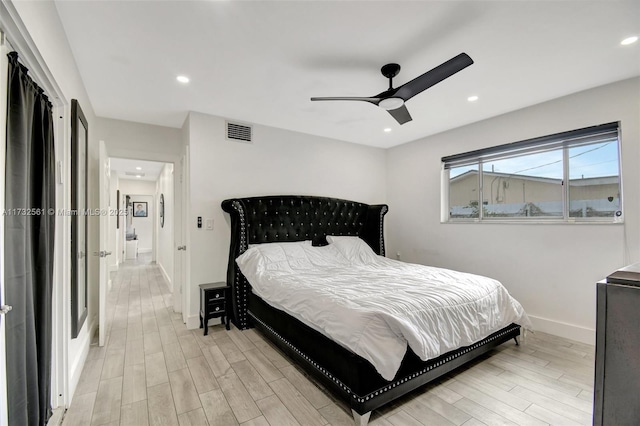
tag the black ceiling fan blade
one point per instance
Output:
(374, 101)
(433, 77)
(400, 114)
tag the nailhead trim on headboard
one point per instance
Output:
(284, 218)
(383, 211)
(241, 281)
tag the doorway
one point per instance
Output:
(142, 193)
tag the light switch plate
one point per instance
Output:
(209, 224)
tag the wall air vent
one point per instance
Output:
(239, 132)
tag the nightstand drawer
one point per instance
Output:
(215, 295)
(215, 306)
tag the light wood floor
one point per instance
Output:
(154, 371)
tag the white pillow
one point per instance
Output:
(273, 257)
(353, 248)
(326, 256)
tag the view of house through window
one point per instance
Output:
(527, 179)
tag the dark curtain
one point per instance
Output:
(29, 244)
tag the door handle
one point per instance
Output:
(101, 253)
(107, 253)
(5, 309)
(182, 248)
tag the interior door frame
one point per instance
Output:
(178, 259)
(104, 189)
(4, 64)
(15, 36)
(186, 240)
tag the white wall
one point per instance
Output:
(550, 268)
(126, 139)
(143, 191)
(44, 27)
(278, 162)
(165, 244)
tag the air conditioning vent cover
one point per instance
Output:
(239, 132)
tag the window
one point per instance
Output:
(526, 180)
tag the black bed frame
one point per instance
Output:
(295, 218)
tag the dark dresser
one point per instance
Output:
(213, 303)
(617, 377)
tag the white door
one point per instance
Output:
(103, 247)
(181, 238)
(186, 261)
(178, 258)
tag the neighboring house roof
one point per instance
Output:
(603, 180)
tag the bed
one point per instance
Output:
(351, 377)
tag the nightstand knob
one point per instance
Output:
(217, 295)
(217, 308)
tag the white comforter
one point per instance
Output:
(375, 306)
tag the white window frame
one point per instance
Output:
(560, 141)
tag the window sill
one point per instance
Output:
(533, 222)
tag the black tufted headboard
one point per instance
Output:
(284, 218)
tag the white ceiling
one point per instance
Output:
(261, 61)
(127, 169)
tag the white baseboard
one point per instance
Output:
(562, 329)
(193, 322)
(78, 364)
(166, 276)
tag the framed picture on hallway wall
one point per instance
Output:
(140, 209)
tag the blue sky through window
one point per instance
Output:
(588, 161)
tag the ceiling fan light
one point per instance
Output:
(391, 103)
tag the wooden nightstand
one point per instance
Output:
(213, 303)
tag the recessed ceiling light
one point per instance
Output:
(387, 129)
(138, 168)
(629, 40)
(472, 98)
(182, 79)
(138, 176)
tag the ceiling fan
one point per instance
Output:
(393, 100)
